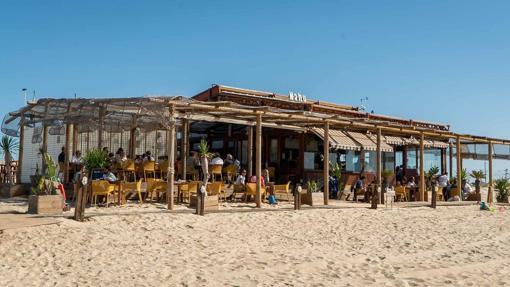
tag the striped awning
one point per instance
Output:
(394, 140)
(367, 143)
(338, 139)
(385, 146)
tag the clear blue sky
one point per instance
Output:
(445, 61)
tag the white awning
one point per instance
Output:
(338, 139)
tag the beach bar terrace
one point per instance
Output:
(290, 136)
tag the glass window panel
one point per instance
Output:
(352, 162)
(411, 158)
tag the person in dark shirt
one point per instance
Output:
(62, 156)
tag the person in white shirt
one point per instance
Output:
(217, 160)
(411, 183)
(466, 189)
(241, 179)
(76, 159)
(442, 182)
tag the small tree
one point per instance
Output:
(477, 175)
(502, 185)
(204, 154)
(430, 176)
(9, 146)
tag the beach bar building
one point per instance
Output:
(289, 135)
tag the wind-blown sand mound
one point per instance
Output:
(455, 246)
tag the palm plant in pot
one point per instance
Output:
(335, 172)
(205, 155)
(502, 185)
(477, 175)
(46, 197)
(95, 159)
(9, 146)
(430, 177)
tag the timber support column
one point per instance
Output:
(171, 160)
(132, 138)
(100, 128)
(184, 147)
(450, 149)
(250, 150)
(69, 126)
(75, 138)
(491, 188)
(258, 160)
(422, 167)
(459, 168)
(20, 150)
(378, 188)
(326, 163)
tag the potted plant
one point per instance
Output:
(208, 201)
(95, 159)
(46, 195)
(430, 177)
(502, 185)
(335, 173)
(9, 146)
(477, 175)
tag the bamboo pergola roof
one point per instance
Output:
(154, 112)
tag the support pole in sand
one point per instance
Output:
(81, 198)
(75, 138)
(326, 163)
(132, 138)
(249, 129)
(44, 143)
(459, 168)
(375, 195)
(434, 196)
(258, 163)
(450, 151)
(184, 147)
(489, 193)
(171, 159)
(21, 147)
(69, 126)
(422, 167)
(100, 128)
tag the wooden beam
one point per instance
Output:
(171, 160)
(450, 151)
(250, 150)
(378, 169)
(258, 160)
(491, 184)
(21, 148)
(422, 167)
(326, 163)
(184, 147)
(459, 167)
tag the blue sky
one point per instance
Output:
(444, 61)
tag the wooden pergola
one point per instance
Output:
(169, 113)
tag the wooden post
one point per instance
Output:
(326, 163)
(67, 149)
(21, 147)
(434, 196)
(375, 195)
(81, 192)
(250, 150)
(451, 159)
(258, 160)
(422, 167)
(132, 138)
(44, 145)
(491, 188)
(75, 138)
(459, 168)
(184, 147)
(171, 159)
(100, 128)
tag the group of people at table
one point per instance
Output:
(119, 159)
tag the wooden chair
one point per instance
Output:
(454, 192)
(345, 191)
(149, 167)
(251, 190)
(131, 187)
(215, 188)
(101, 187)
(215, 170)
(401, 193)
(282, 189)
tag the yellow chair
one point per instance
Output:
(401, 192)
(131, 187)
(191, 171)
(215, 188)
(230, 171)
(215, 170)
(101, 187)
(282, 189)
(155, 186)
(271, 172)
(439, 194)
(189, 189)
(128, 167)
(149, 167)
(251, 190)
(238, 188)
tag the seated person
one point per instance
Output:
(411, 183)
(253, 179)
(120, 156)
(241, 178)
(359, 186)
(216, 160)
(109, 176)
(147, 157)
(466, 189)
(229, 160)
(76, 159)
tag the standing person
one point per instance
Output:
(62, 156)
(359, 186)
(442, 182)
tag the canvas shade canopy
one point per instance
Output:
(338, 139)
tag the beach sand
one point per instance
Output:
(147, 246)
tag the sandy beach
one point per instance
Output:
(147, 246)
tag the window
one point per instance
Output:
(411, 158)
(370, 161)
(388, 159)
(399, 158)
(217, 144)
(273, 150)
(352, 161)
(432, 159)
